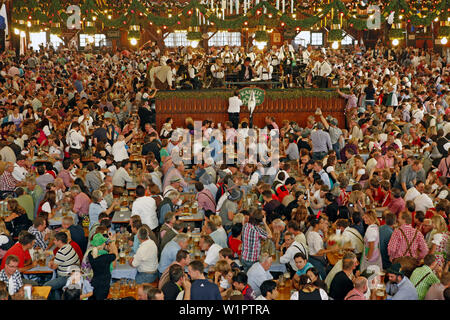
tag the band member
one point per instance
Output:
(240, 56)
(218, 74)
(245, 71)
(306, 54)
(265, 70)
(195, 73)
(253, 55)
(287, 58)
(189, 55)
(163, 76)
(321, 71)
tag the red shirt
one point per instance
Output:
(18, 251)
(281, 193)
(235, 245)
(75, 247)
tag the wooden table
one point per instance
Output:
(41, 269)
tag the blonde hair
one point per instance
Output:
(3, 229)
(238, 218)
(373, 215)
(223, 267)
(439, 223)
(217, 220)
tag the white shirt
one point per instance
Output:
(75, 139)
(146, 257)
(219, 74)
(256, 276)
(19, 172)
(315, 242)
(145, 207)
(88, 124)
(355, 238)
(212, 255)
(411, 194)
(234, 104)
(423, 203)
(322, 69)
(119, 151)
(265, 73)
(322, 292)
(293, 249)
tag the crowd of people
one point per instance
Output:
(346, 204)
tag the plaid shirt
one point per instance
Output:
(397, 246)
(7, 182)
(40, 242)
(251, 244)
(17, 279)
(426, 277)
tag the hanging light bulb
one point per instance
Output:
(133, 41)
(22, 34)
(335, 45)
(16, 31)
(444, 40)
(260, 44)
(395, 42)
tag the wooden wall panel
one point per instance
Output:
(215, 109)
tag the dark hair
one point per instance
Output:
(390, 218)
(181, 254)
(429, 259)
(267, 286)
(420, 216)
(410, 206)
(41, 170)
(291, 181)
(301, 255)
(256, 217)
(71, 294)
(38, 222)
(197, 265)
(140, 191)
(240, 277)
(227, 253)
(236, 230)
(66, 164)
(356, 217)
(152, 293)
(199, 186)
(62, 236)
(26, 238)
(176, 272)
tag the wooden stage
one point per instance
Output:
(290, 104)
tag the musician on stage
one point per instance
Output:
(288, 58)
(306, 54)
(195, 73)
(265, 70)
(163, 76)
(322, 69)
(245, 71)
(218, 74)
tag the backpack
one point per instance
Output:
(164, 202)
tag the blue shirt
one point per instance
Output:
(405, 290)
(168, 255)
(203, 289)
(305, 269)
(94, 211)
(385, 236)
(256, 276)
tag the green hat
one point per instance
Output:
(98, 240)
(396, 269)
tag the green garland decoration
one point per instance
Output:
(396, 34)
(444, 31)
(335, 35)
(194, 36)
(261, 36)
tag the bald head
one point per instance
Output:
(361, 284)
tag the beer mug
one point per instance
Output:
(27, 291)
(122, 258)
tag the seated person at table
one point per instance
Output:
(302, 264)
(216, 231)
(76, 278)
(95, 207)
(269, 290)
(21, 250)
(240, 282)
(174, 286)
(148, 292)
(81, 201)
(146, 258)
(168, 231)
(399, 287)
(37, 229)
(170, 251)
(102, 260)
(343, 280)
(211, 250)
(168, 205)
(145, 207)
(65, 257)
(10, 275)
(259, 272)
(76, 232)
(183, 259)
(201, 288)
(308, 291)
(18, 220)
(72, 243)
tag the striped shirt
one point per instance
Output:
(251, 244)
(64, 258)
(16, 280)
(423, 278)
(40, 241)
(321, 141)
